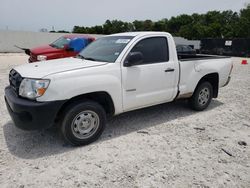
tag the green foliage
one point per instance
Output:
(59, 31)
(116, 26)
(214, 24)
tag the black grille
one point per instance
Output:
(15, 80)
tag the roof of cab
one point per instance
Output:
(138, 33)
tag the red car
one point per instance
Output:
(66, 46)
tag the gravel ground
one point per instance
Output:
(163, 146)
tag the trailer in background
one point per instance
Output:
(231, 47)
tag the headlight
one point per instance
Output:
(32, 88)
(41, 57)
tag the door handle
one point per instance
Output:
(169, 70)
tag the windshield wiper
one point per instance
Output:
(52, 45)
(80, 56)
(87, 58)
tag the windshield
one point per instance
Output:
(106, 49)
(60, 43)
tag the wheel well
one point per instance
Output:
(103, 98)
(213, 79)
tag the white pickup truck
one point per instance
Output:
(114, 74)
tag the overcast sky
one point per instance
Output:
(32, 15)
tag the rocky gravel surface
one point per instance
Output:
(167, 145)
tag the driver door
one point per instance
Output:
(149, 82)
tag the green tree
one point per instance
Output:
(244, 23)
(78, 29)
(160, 25)
(216, 24)
(138, 25)
(175, 23)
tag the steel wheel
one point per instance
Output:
(204, 96)
(85, 124)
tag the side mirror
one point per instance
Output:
(134, 58)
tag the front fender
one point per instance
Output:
(70, 84)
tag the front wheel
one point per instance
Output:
(83, 123)
(202, 96)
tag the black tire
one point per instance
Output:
(197, 102)
(74, 117)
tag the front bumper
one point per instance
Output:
(31, 115)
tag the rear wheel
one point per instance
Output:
(202, 96)
(83, 123)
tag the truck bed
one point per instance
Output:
(191, 57)
(192, 67)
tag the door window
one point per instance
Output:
(154, 50)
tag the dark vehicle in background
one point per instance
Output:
(66, 46)
(230, 47)
(185, 50)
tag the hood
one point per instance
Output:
(44, 50)
(45, 68)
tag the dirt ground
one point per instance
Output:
(167, 145)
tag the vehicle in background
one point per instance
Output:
(185, 50)
(66, 46)
(114, 74)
